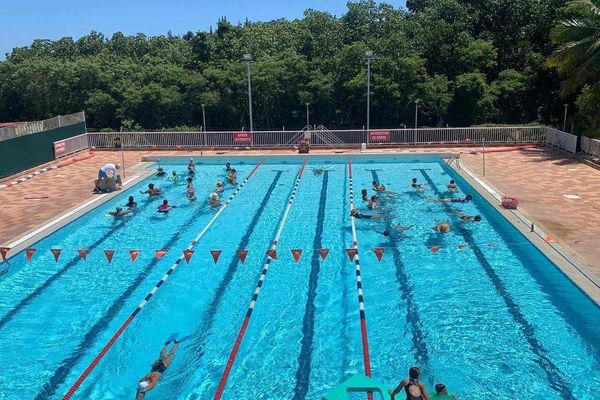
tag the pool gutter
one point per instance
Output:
(558, 252)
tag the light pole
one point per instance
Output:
(248, 59)
(203, 127)
(416, 119)
(565, 118)
(368, 56)
(307, 115)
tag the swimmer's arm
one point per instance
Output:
(153, 383)
(399, 388)
(424, 391)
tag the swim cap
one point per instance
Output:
(214, 196)
(143, 385)
(219, 183)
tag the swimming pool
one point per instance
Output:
(479, 308)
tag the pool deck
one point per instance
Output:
(539, 178)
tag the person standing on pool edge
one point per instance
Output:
(149, 382)
(414, 389)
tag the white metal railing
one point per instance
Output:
(70, 145)
(590, 146)
(319, 138)
(562, 140)
(27, 128)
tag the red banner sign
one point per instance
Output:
(59, 148)
(242, 137)
(379, 136)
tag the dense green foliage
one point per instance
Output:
(466, 61)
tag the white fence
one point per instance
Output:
(70, 145)
(320, 137)
(561, 140)
(590, 146)
(27, 128)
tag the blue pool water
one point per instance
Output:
(487, 314)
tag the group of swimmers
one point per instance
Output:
(165, 207)
(415, 389)
(382, 197)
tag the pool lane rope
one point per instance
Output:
(359, 288)
(271, 255)
(162, 280)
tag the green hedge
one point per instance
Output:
(27, 151)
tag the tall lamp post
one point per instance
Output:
(203, 126)
(416, 120)
(248, 60)
(369, 57)
(565, 118)
(307, 115)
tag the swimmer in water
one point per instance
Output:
(227, 167)
(319, 170)
(372, 205)
(219, 188)
(131, 204)
(174, 177)
(468, 218)
(465, 199)
(442, 227)
(232, 176)
(417, 186)
(165, 207)
(148, 382)
(119, 212)
(394, 231)
(365, 195)
(213, 200)
(191, 191)
(152, 190)
(415, 390)
(161, 172)
(191, 167)
(379, 187)
(452, 186)
(356, 214)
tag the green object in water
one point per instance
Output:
(358, 383)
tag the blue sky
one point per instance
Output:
(25, 20)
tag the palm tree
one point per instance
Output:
(578, 38)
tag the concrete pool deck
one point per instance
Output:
(558, 193)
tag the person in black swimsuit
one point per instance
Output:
(358, 215)
(414, 389)
(465, 199)
(149, 382)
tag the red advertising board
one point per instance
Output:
(379, 136)
(242, 137)
(59, 148)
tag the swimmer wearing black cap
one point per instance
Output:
(356, 214)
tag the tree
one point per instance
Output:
(578, 38)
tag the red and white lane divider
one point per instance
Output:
(44, 170)
(271, 255)
(187, 254)
(359, 287)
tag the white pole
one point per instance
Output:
(416, 120)
(123, 159)
(307, 115)
(203, 128)
(250, 97)
(565, 118)
(483, 152)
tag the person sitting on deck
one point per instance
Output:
(303, 146)
(149, 382)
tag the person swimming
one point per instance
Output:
(149, 382)
(119, 212)
(165, 207)
(219, 188)
(356, 214)
(227, 167)
(442, 227)
(465, 199)
(152, 190)
(417, 186)
(161, 172)
(365, 195)
(191, 191)
(318, 171)
(174, 177)
(441, 393)
(232, 176)
(394, 231)
(452, 186)
(372, 205)
(191, 167)
(213, 200)
(415, 390)
(380, 187)
(468, 218)
(131, 204)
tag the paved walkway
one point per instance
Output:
(540, 179)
